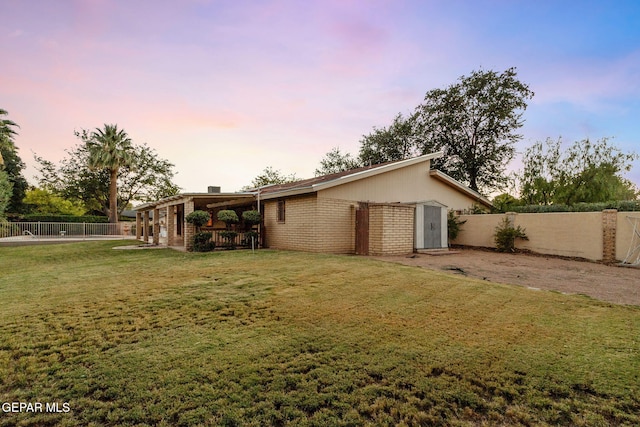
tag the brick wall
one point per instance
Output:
(298, 231)
(311, 224)
(336, 226)
(609, 226)
(316, 224)
(391, 229)
(189, 229)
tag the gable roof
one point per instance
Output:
(327, 181)
(318, 183)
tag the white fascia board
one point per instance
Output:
(286, 193)
(166, 201)
(463, 188)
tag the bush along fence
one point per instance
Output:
(57, 218)
(62, 230)
(626, 206)
(608, 235)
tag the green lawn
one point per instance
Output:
(159, 337)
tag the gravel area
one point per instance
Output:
(620, 285)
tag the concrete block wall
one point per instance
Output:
(597, 236)
(572, 234)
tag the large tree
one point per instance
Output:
(475, 122)
(148, 178)
(335, 161)
(109, 149)
(585, 171)
(270, 176)
(399, 141)
(44, 201)
(11, 163)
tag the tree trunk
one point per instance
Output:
(113, 196)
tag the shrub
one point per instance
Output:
(251, 217)
(506, 235)
(453, 225)
(228, 217)
(248, 236)
(504, 203)
(202, 242)
(198, 218)
(230, 237)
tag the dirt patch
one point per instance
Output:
(142, 246)
(619, 285)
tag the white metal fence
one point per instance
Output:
(65, 230)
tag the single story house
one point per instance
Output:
(385, 209)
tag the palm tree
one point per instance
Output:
(6, 134)
(110, 149)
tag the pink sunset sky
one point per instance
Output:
(223, 89)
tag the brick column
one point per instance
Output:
(189, 229)
(171, 225)
(609, 225)
(156, 226)
(145, 226)
(138, 225)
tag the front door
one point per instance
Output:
(432, 227)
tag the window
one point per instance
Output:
(281, 211)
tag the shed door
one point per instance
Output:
(432, 227)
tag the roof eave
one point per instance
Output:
(446, 179)
(287, 193)
(168, 199)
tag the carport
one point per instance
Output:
(163, 222)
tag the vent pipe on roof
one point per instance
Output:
(212, 189)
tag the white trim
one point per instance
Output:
(189, 196)
(286, 193)
(460, 186)
(420, 231)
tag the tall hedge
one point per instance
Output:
(59, 218)
(621, 206)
